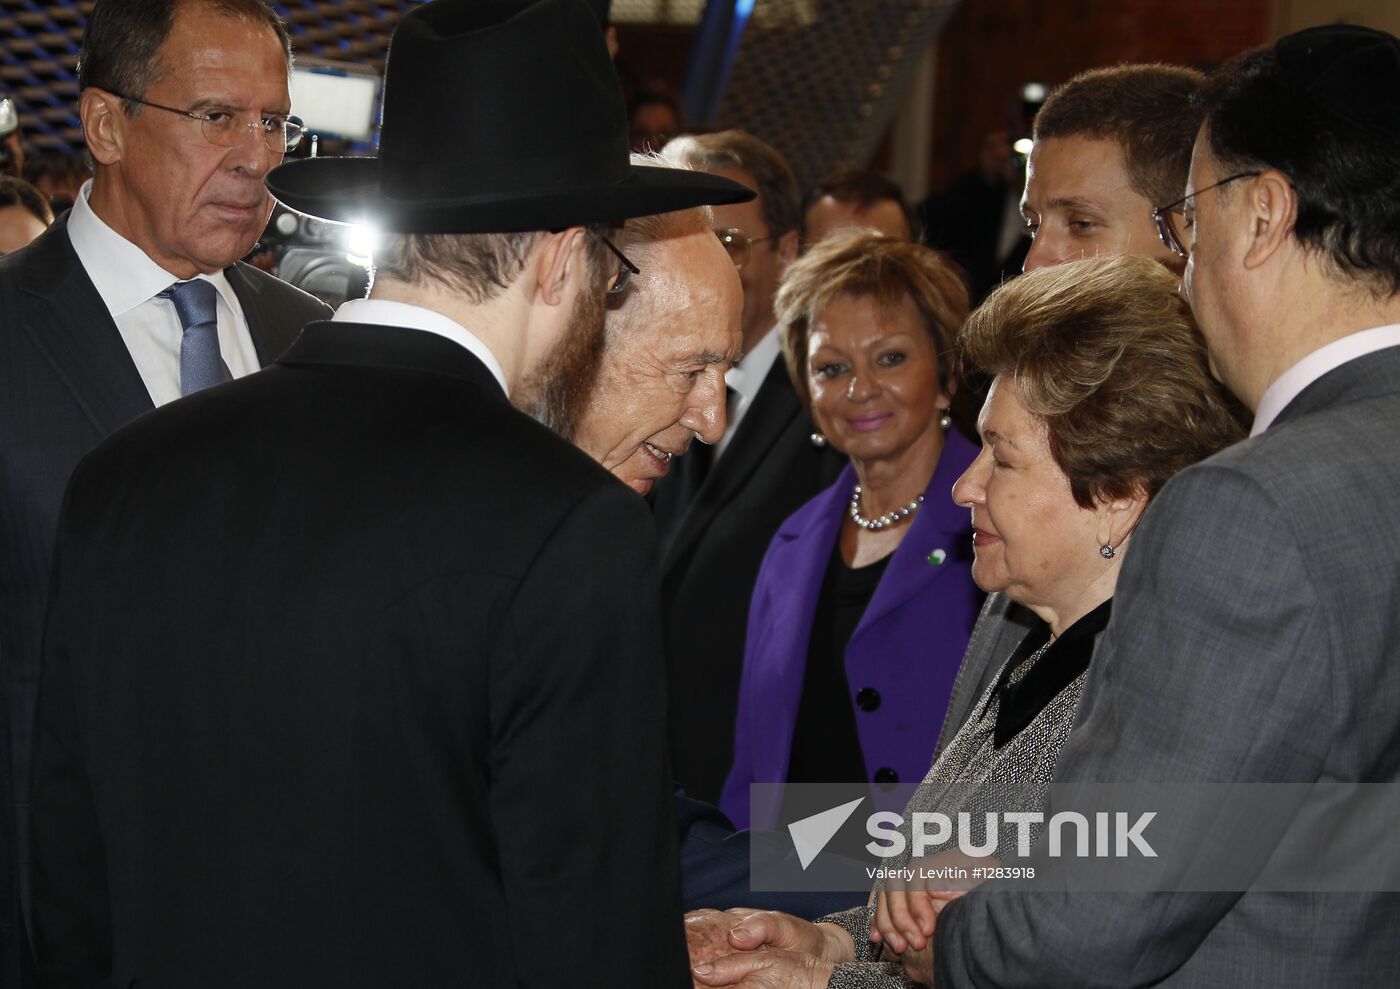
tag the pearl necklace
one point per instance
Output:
(890, 518)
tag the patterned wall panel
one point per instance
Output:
(820, 80)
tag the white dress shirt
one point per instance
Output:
(128, 281)
(1290, 384)
(386, 313)
(746, 378)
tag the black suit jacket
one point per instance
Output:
(712, 545)
(67, 381)
(351, 678)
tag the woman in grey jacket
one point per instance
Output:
(1101, 392)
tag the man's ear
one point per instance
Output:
(104, 125)
(787, 246)
(558, 255)
(1271, 206)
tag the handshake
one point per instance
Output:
(766, 949)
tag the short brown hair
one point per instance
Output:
(865, 189)
(1150, 110)
(859, 263)
(1105, 352)
(778, 192)
(479, 266)
(17, 192)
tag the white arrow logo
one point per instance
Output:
(811, 834)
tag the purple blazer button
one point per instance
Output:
(867, 698)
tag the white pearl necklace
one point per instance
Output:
(890, 518)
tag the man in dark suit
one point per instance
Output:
(88, 338)
(718, 508)
(376, 698)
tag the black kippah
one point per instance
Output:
(1347, 70)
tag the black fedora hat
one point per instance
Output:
(499, 116)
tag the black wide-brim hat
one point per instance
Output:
(499, 116)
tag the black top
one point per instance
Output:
(825, 744)
(713, 538)
(1025, 697)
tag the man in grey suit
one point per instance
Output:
(135, 297)
(1255, 632)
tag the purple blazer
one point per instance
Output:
(908, 645)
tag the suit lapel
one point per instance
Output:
(70, 325)
(270, 337)
(774, 408)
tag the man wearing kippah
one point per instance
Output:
(1255, 633)
(352, 674)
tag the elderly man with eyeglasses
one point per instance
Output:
(136, 296)
(720, 505)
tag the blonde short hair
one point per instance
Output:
(1107, 355)
(886, 269)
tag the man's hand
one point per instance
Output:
(707, 933)
(772, 929)
(775, 968)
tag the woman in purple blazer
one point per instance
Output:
(865, 599)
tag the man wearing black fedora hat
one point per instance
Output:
(352, 674)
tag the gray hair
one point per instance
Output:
(640, 232)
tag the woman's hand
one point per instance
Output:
(907, 912)
(905, 918)
(918, 964)
(775, 968)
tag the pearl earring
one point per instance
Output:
(818, 440)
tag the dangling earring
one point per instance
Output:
(1106, 551)
(818, 440)
(945, 421)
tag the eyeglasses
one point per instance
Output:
(225, 128)
(738, 244)
(1167, 232)
(625, 271)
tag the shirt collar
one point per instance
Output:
(748, 375)
(123, 274)
(1291, 383)
(386, 313)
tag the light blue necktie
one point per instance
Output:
(201, 364)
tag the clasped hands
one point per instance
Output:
(763, 949)
(766, 949)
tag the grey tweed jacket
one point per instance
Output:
(1020, 779)
(1255, 638)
